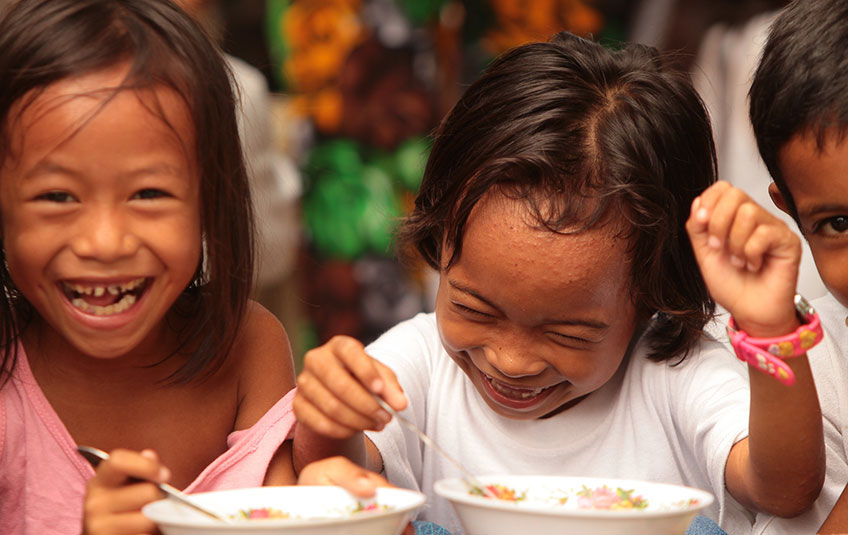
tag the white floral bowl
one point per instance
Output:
(311, 510)
(574, 505)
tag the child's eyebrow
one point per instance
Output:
(592, 324)
(816, 209)
(45, 166)
(466, 290)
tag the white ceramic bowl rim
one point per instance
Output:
(400, 500)
(455, 489)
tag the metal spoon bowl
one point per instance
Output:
(95, 455)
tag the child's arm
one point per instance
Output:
(749, 260)
(333, 405)
(265, 371)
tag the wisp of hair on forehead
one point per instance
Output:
(586, 136)
(45, 41)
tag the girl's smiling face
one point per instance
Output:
(537, 320)
(100, 210)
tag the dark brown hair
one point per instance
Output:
(801, 83)
(585, 135)
(45, 41)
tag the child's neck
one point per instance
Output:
(52, 357)
(127, 401)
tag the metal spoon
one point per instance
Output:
(467, 476)
(94, 456)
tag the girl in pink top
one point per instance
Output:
(127, 245)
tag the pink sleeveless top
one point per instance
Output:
(42, 477)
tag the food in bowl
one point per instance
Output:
(604, 497)
(573, 505)
(301, 510)
(263, 513)
(500, 492)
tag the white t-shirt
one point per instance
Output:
(652, 421)
(829, 362)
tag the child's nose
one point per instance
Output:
(104, 236)
(514, 361)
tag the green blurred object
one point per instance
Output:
(382, 210)
(420, 12)
(335, 157)
(351, 207)
(613, 35)
(410, 160)
(278, 47)
(307, 338)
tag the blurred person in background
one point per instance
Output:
(275, 179)
(722, 74)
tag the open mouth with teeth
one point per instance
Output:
(105, 300)
(514, 396)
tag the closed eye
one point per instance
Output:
(56, 196)
(151, 193)
(568, 338)
(471, 311)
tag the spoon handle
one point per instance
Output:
(178, 495)
(95, 455)
(469, 478)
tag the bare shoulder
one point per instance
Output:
(263, 360)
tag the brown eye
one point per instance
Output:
(834, 226)
(840, 224)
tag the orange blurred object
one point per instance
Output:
(320, 33)
(522, 21)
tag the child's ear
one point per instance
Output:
(777, 198)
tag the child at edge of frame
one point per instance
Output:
(798, 106)
(570, 309)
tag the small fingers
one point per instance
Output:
(722, 211)
(771, 242)
(344, 473)
(743, 253)
(123, 465)
(392, 391)
(341, 380)
(130, 498)
(111, 505)
(320, 409)
(335, 365)
(727, 220)
(352, 354)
